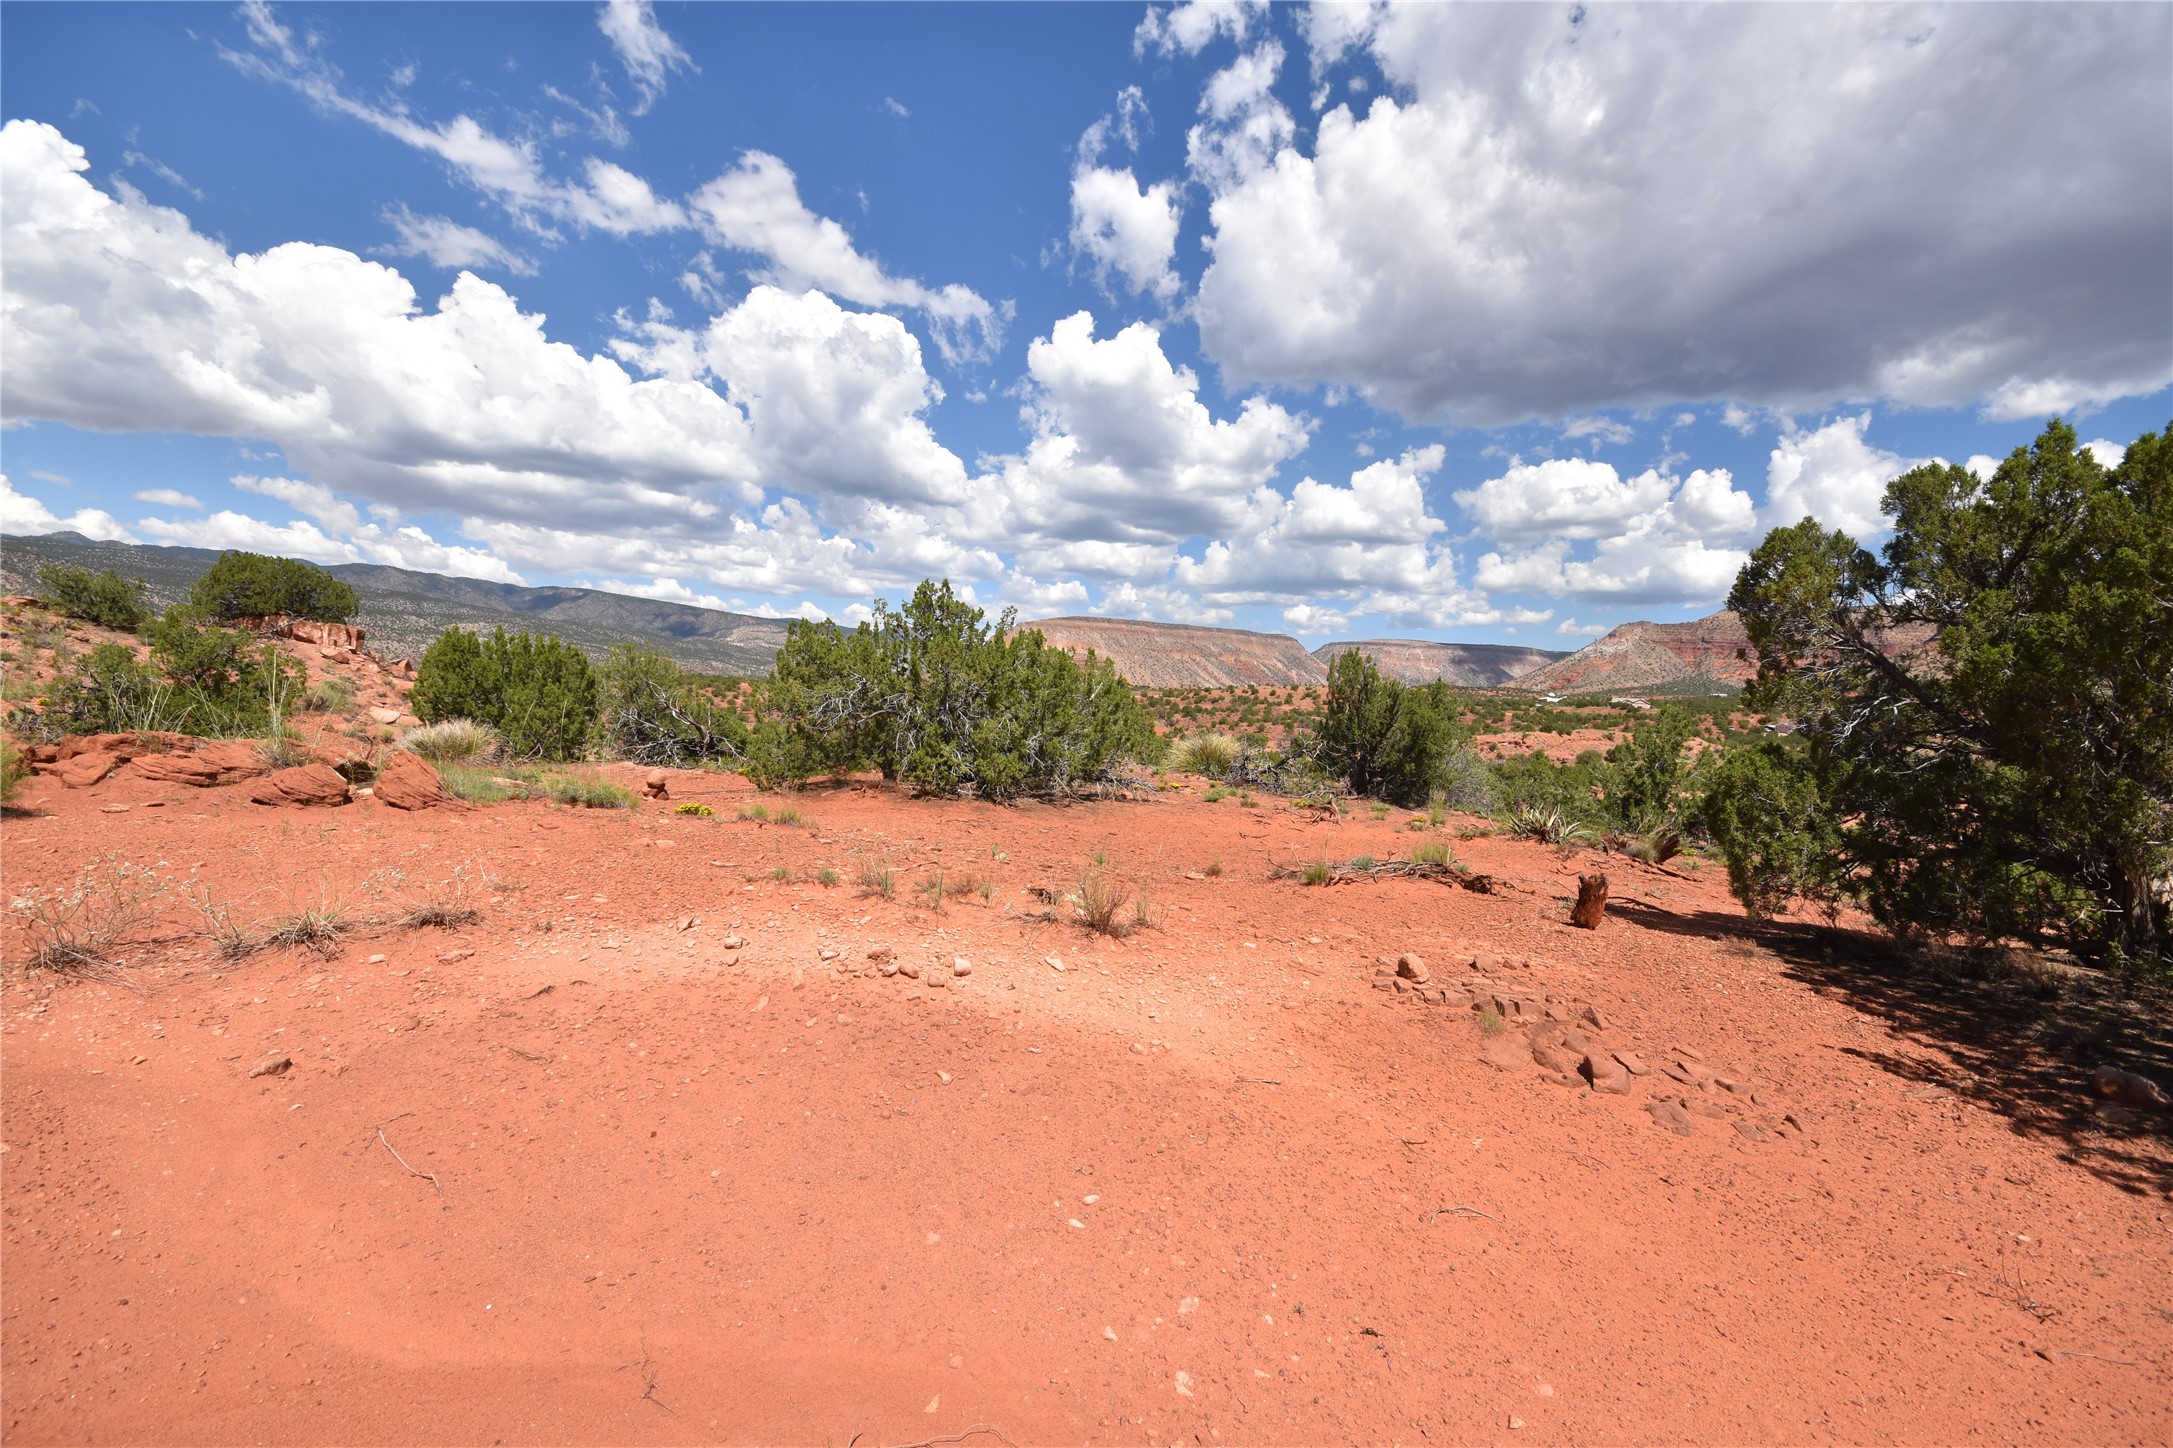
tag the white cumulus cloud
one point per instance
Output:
(1833, 474)
(1563, 209)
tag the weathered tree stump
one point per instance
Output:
(1591, 902)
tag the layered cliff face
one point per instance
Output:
(1177, 656)
(1468, 666)
(1650, 655)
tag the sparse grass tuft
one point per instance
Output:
(878, 879)
(589, 791)
(1656, 848)
(757, 812)
(1490, 1023)
(333, 695)
(1378, 809)
(1431, 852)
(282, 748)
(781, 873)
(826, 878)
(1099, 900)
(453, 741)
(931, 891)
(74, 932)
(480, 785)
(1216, 794)
(438, 904)
(1317, 872)
(698, 811)
(1363, 863)
(1144, 915)
(1209, 754)
(1214, 867)
(787, 816)
(225, 931)
(314, 924)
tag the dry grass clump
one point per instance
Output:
(876, 879)
(1210, 754)
(1099, 899)
(75, 931)
(454, 741)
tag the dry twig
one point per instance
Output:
(428, 1176)
(1468, 1211)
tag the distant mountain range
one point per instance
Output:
(403, 610)
(1176, 655)
(1704, 655)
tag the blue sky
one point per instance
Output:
(1451, 322)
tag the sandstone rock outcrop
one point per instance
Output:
(304, 786)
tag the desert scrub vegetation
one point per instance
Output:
(537, 691)
(697, 811)
(655, 714)
(14, 769)
(877, 879)
(199, 679)
(104, 598)
(334, 695)
(76, 930)
(486, 784)
(253, 585)
(2010, 776)
(935, 696)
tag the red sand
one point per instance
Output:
(1189, 1188)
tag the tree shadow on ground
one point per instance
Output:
(2021, 1032)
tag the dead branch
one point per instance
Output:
(428, 1176)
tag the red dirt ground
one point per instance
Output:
(1206, 1184)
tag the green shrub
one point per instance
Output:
(932, 695)
(1770, 821)
(537, 691)
(104, 598)
(655, 715)
(107, 692)
(1384, 738)
(14, 769)
(1646, 785)
(254, 585)
(207, 681)
(2011, 776)
(698, 811)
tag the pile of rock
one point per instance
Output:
(1571, 1042)
(935, 974)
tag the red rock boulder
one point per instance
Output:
(409, 782)
(304, 785)
(85, 768)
